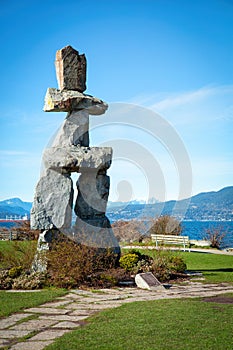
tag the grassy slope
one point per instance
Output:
(215, 268)
(162, 324)
(17, 301)
(7, 245)
(14, 253)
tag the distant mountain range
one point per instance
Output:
(135, 201)
(203, 206)
(14, 207)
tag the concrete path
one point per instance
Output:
(228, 251)
(37, 327)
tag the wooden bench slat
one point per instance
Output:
(172, 239)
(8, 236)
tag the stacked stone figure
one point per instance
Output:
(70, 152)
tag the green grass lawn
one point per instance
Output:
(215, 268)
(7, 245)
(162, 324)
(11, 302)
(15, 253)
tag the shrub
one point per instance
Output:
(139, 254)
(130, 231)
(24, 232)
(177, 264)
(17, 279)
(134, 261)
(166, 264)
(34, 280)
(107, 278)
(144, 262)
(215, 236)
(129, 261)
(166, 225)
(71, 265)
(161, 269)
(5, 280)
(15, 271)
(68, 264)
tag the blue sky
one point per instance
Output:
(171, 57)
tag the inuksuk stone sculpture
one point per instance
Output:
(69, 152)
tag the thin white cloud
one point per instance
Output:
(13, 153)
(227, 114)
(201, 106)
(212, 174)
(215, 165)
(182, 99)
(189, 97)
(208, 104)
(19, 159)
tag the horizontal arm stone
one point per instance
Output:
(70, 100)
(77, 159)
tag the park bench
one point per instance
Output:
(8, 236)
(170, 239)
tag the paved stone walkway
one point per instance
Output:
(228, 251)
(37, 327)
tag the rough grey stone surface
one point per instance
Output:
(52, 206)
(148, 281)
(33, 324)
(77, 159)
(96, 233)
(11, 320)
(3, 342)
(83, 309)
(31, 345)
(66, 325)
(70, 69)
(49, 334)
(64, 318)
(57, 303)
(70, 100)
(47, 310)
(73, 131)
(93, 191)
(45, 238)
(12, 333)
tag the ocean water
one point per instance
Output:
(197, 230)
(8, 224)
(193, 229)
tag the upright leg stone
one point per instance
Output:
(53, 201)
(92, 227)
(93, 191)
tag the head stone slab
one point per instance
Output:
(70, 69)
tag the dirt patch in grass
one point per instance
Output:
(221, 299)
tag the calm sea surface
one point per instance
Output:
(197, 230)
(193, 229)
